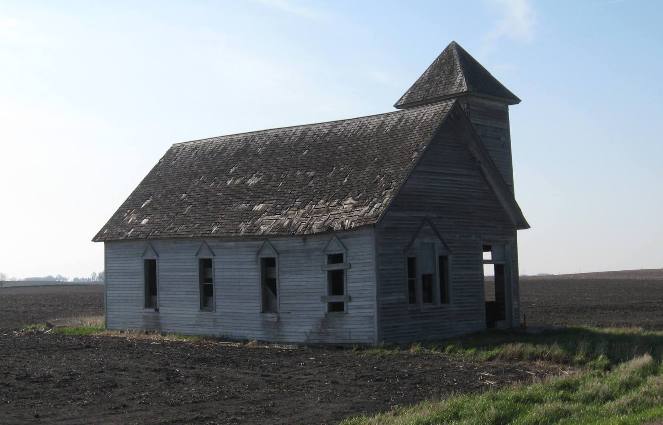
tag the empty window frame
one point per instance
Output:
(427, 269)
(206, 283)
(336, 284)
(427, 288)
(443, 270)
(151, 284)
(269, 285)
(412, 280)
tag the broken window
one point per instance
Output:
(427, 266)
(336, 283)
(427, 288)
(487, 253)
(443, 268)
(428, 280)
(206, 284)
(269, 285)
(151, 285)
(335, 258)
(412, 280)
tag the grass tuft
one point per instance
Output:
(598, 349)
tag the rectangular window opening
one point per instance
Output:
(336, 307)
(335, 259)
(269, 285)
(206, 282)
(151, 285)
(336, 283)
(443, 266)
(412, 280)
(427, 288)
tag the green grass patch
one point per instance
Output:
(631, 393)
(621, 380)
(79, 330)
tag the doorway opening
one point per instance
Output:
(494, 285)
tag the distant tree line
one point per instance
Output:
(93, 277)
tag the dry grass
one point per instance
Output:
(94, 326)
(597, 348)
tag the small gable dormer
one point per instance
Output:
(204, 251)
(149, 253)
(267, 250)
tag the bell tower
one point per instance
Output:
(455, 74)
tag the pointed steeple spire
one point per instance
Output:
(454, 73)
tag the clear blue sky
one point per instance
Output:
(92, 93)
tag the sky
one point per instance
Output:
(92, 94)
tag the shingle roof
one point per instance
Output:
(306, 179)
(454, 72)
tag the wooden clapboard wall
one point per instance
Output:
(302, 283)
(448, 190)
(491, 122)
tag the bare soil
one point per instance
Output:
(23, 306)
(603, 300)
(49, 378)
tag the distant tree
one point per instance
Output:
(3, 276)
(51, 278)
(94, 277)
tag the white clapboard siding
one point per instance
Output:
(302, 283)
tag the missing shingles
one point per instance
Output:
(254, 179)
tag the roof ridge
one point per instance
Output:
(454, 51)
(397, 111)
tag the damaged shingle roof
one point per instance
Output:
(453, 73)
(306, 179)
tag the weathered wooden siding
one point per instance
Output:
(302, 282)
(448, 189)
(491, 122)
